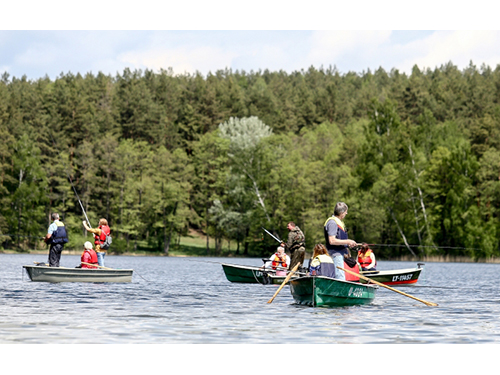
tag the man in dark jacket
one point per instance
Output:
(56, 237)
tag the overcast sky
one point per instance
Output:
(102, 36)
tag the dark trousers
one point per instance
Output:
(297, 257)
(55, 254)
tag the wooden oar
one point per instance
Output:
(388, 287)
(95, 265)
(284, 282)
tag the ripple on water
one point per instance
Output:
(182, 301)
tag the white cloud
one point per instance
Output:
(360, 50)
(37, 53)
(459, 47)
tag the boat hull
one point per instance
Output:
(62, 274)
(317, 291)
(394, 277)
(250, 275)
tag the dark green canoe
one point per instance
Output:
(319, 291)
(251, 275)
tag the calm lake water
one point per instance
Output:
(189, 300)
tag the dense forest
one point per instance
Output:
(416, 157)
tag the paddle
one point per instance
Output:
(95, 265)
(284, 282)
(388, 287)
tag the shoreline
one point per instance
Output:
(430, 258)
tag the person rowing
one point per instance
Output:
(89, 256)
(279, 261)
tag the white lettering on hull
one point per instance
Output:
(402, 277)
(355, 292)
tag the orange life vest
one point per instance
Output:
(365, 259)
(275, 263)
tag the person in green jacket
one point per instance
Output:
(296, 245)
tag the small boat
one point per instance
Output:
(317, 291)
(395, 277)
(236, 273)
(89, 275)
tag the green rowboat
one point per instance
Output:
(319, 291)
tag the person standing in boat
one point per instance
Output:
(100, 234)
(296, 244)
(337, 242)
(279, 260)
(88, 256)
(56, 237)
(321, 262)
(366, 258)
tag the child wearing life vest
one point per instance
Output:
(100, 234)
(321, 262)
(366, 258)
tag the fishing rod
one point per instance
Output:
(74, 189)
(277, 239)
(425, 246)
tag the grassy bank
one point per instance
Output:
(194, 244)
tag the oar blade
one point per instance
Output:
(388, 287)
(284, 282)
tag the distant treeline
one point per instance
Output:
(416, 157)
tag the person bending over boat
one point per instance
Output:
(296, 244)
(56, 237)
(279, 260)
(366, 258)
(321, 262)
(100, 234)
(88, 256)
(337, 242)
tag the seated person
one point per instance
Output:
(366, 258)
(279, 260)
(88, 256)
(321, 262)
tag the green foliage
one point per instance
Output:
(416, 157)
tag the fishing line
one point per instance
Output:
(425, 246)
(141, 276)
(440, 287)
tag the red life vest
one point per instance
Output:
(351, 277)
(105, 231)
(89, 256)
(365, 260)
(275, 263)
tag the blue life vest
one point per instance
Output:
(342, 235)
(59, 235)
